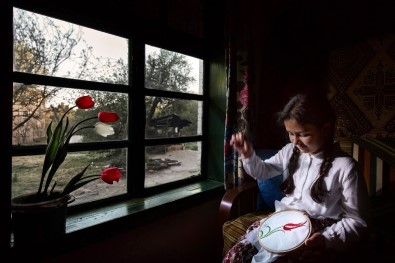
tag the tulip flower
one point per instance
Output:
(104, 129)
(58, 142)
(111, 174)
(106, 116)
(85, 102)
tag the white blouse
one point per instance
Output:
(347, 200)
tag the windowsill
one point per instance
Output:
(133, 208)
(87, 227)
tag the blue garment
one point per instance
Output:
(269, 189)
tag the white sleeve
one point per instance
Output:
(355, 205)
(264, 169)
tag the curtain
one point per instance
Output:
(238, 89)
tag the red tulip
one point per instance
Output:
(85, 102)
(111, 174)
(107, 116)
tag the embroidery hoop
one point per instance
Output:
(284, 231)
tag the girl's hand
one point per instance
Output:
(314, 250)
(242, 145)
(316, 240)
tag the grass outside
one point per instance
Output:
(27, 170)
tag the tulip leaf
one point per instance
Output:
(49, 132)
(60, 156)
(51, 151)
(76, 182)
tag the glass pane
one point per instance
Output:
(26, 174)
(35, 106)
(52, 47)
(167, 117)
(170, 163)
(172, 71)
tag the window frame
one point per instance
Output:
(112, 215)
(136, 92)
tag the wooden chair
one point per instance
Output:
(238, 209)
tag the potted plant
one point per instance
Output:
(41, 216)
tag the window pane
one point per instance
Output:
(172, 71)
(35, 106)
(172, 117)
(170, 163)
(26, 173)
(48, 46)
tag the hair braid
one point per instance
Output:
(317, 191)
(288, 185)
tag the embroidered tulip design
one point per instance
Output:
(286, 227)
(290, 226)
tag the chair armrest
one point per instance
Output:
(238, 201)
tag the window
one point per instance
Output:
(56, 62)
(172, 115)
(159, 140)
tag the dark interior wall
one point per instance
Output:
(195, 26)
(191, 235)
(288, 54)
(297, 45)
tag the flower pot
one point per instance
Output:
(34, 223)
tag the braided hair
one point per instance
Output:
(310, 108)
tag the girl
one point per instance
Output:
(319, 179)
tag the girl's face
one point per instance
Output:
(307, 137)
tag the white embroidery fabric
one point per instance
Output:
(264, 255)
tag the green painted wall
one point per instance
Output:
(216, 122)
